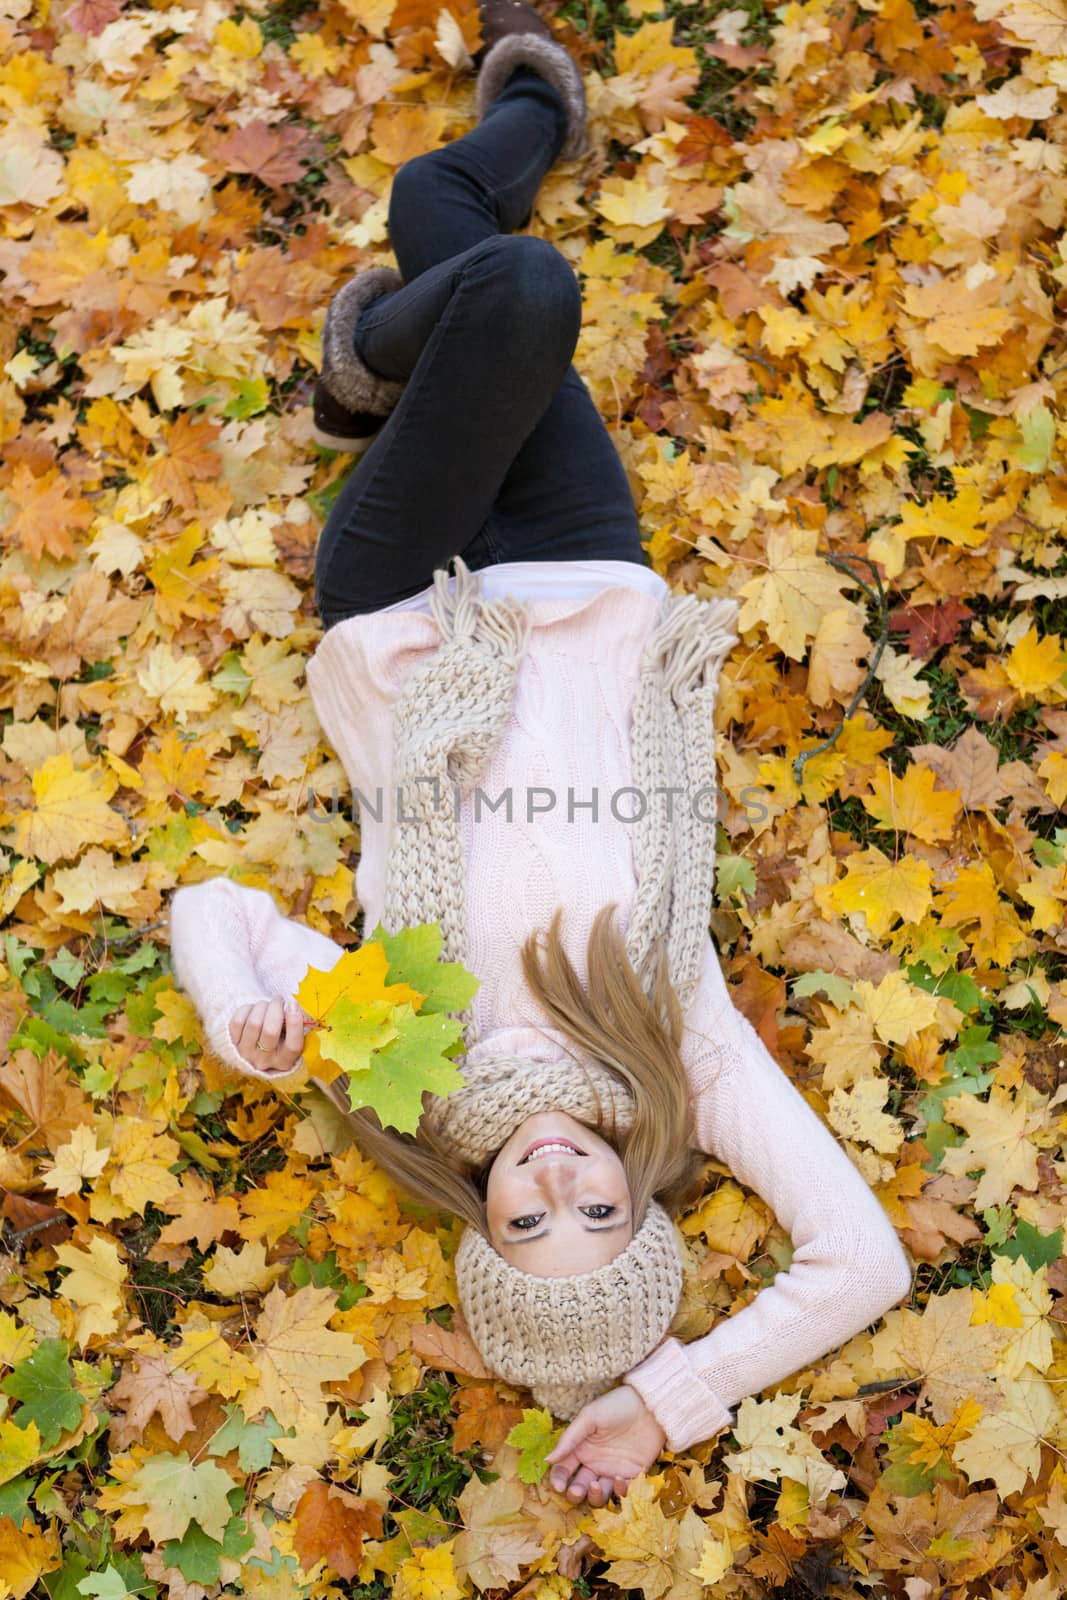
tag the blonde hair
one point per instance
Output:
(610, 1018)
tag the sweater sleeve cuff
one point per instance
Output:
(679, 1399)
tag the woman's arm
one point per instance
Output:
(848, 1265)
(232, 948)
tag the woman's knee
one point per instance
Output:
(524, 283)
(414, 183)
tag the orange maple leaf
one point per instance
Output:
(47, 513)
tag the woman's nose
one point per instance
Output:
(556, 1177)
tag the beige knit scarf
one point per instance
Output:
(448, 716)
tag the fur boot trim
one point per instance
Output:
(347, 378)
(553, 63)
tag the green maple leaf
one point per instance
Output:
(415, 1061)
(253, 1441)
(413, 958)
(44, 1382)
(353, 1032)
(198, 1558)
(106, 1585)
(175, 1493)
(534, 1437)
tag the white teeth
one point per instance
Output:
(547, 1149)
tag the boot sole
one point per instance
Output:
(337, 441)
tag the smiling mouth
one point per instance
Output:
(560, 1146)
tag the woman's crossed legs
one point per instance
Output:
(496, 450)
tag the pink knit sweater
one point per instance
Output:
(568, 736)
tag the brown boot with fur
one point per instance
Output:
(351, 403)
(516, 36)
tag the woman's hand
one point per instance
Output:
(609, 1442)
(269, 1035)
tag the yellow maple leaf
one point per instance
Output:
(956, 520)
(94, 1285)
(178, 1017)
(140, 1162)
(650, 47)
(153, 355)
(899, 676)
(896, 1007)
(352, 1443)
(796, 591)
(1032, 21)
(399, 132)
(785, 329)
(19, 1447)
(972, 901)
(998, 1143)
(635, 207)
(295, 1354)
(716, 1559)
(70, 811)
(176, 682)
(857, 1114)
(429, 1573)
(314, 57)
(1005, 1445)
(910, 804)
(1035, 664)
(729, 1220)
(930, 1444)
(239, 38)
(372, 15)
(233, 1273)
(1053, 773)
(27, 1552)
(256, 597)
(204, 1351)
(772, 1447)
(954, 1358)
(99, 879)
(246, 541)
(360, 977)
(16, 1340)
(998, 1306)
(278, 1206)
(184, 587)
(392, 1279)
(881, 889)
(649, 1550)
(74, 1161)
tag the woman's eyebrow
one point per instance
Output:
(530, 1237)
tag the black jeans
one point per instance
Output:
(496, 450)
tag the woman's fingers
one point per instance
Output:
(271, 1031)
(269, 1034)
(237, 1022)
(249, 1040)
(569, 1440)
(294, 1030)
(579, 1485)
(594, 1487)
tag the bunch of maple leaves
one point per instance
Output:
(836, 330)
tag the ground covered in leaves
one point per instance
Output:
(821, 252)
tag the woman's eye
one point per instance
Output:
(597, 1213)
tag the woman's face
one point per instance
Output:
(559, 1211)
